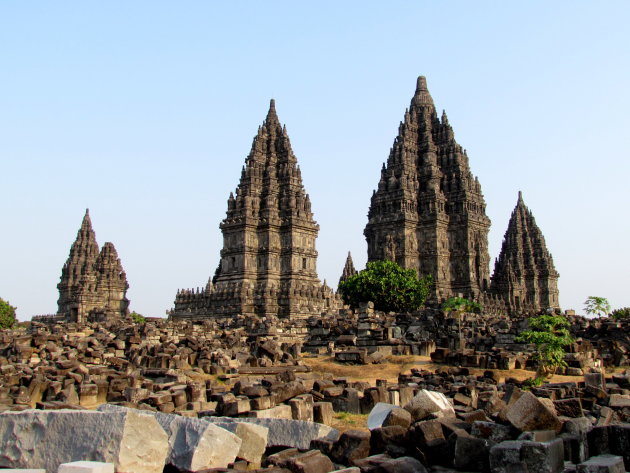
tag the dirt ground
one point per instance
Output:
(395, 365)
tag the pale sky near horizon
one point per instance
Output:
(145, 112)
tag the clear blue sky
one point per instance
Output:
(145, 111)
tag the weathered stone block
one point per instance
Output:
(530, 413)
(523, 456)
(492, 431)
(323, 412)
(378, 414)
(285, 432)
(193, 444)
(602, 464)
(471, 453)
(401, 465)
(312, 461)
(611, 439)
(352, 445)
(398, 416)
(427, 403)
(131, 440)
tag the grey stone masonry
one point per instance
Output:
(268, 262)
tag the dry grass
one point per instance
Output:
(389, 370)
(343, 421)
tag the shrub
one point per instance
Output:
(623, 313)
(550, 334)
(7, 314)
(388, 286)
(137, 318)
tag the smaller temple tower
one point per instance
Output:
(348, 269)
(93, 284)
(524, 273)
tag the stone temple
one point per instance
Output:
(429, 214)
(524, 273)
(268, 262)
(93, 285)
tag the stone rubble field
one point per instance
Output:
(184, 397)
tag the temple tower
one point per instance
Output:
(428, 212)
(93, 284)
(111, 285)
(268, 262)
(524, 273)
(348, 269)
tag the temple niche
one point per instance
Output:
(93, 284)
(268, 263)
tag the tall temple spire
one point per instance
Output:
(428, 212)
(524, 273)
(268, 262)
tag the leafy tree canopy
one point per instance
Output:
(7, 315)
(137, 318)
(597, 305)
(623, 313)
(550, 334)
(461, 305)
(390, 287)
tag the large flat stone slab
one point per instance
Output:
(193, 444)
(133, 441)
(285, 432)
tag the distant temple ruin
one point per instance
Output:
(93, 285)
(428, 214)
(268, 262)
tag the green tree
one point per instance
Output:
(137, 318)
(7, 315)
(597, 305)
(550, 334)
(389, 286)
(623, 313)
(461, 305)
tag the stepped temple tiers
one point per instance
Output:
(524, 274)
(268, 262)
(428, 213)
(93, 285)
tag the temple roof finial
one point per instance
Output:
(272, 116)
(421, 83)
(422, 97)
